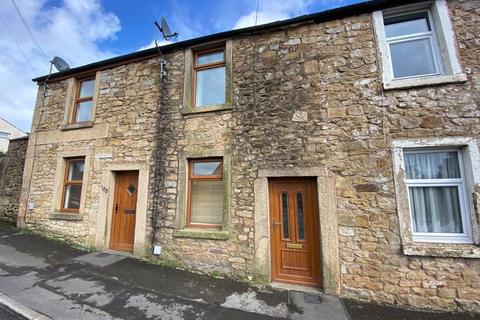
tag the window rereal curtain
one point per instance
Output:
(436, 209)
(434, 180)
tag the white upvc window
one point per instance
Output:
(412, 45)
(435, 181)
(417, 45)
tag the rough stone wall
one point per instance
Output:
(11, 170)
(303, 96)
(126, 105)
(319, 102)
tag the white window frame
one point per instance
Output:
(469, 149)
(466, 236)
(431, 35)
(447, 60)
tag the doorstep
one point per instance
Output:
(295, 287)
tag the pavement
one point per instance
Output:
(60, 282)
(46, 279)
(369, 311)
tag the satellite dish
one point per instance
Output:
(60, 64)
(165, 29)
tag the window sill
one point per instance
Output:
(446, 250)
(66, 216)
(220, 107)
(202, 234)
(424, 81)
(79, 125)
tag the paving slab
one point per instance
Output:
(316, 306)
(100, 259)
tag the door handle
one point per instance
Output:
(276, 223)
(116, 208)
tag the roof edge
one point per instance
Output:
(323, 16)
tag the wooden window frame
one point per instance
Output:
(198, 67)
(67, 183)
(192, 177)
(78, 100)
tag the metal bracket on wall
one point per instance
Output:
(163, 62)
(163, 73)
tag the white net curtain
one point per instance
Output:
(434, 180)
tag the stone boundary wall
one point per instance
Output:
(11, 171)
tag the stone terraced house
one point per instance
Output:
(337, 150)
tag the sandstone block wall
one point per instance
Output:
(122, 134)
(319, 103)
(11, 171)
(303, 96)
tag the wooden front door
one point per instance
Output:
(295, 236)
(124, 211)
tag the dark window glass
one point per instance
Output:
(407, 24)
(72, 189)
(286, 233)
(75, 172)
(301, 223)
(72, 196)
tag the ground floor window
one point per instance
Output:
(205, 199)
(72, 184)
(435, 181)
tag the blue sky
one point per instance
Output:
(85, 31)
(196, 18)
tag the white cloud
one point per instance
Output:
(273, 10)
(71, 30)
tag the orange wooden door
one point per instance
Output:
(124, 211)
(295, 236)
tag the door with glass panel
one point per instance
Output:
(295, 236)
(124, 211)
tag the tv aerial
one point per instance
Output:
(168, 35)
(165, 30)
(60, 65)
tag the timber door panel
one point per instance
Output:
(124, 211)
(295, 236)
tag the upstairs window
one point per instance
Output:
(209, 78)
(72, 184)
(82, 111)
(437, 196)
(413, 45)
(205, 193)
(417, 45)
